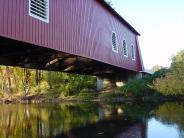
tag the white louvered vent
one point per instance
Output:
(39, 9)
(125, 51)
(114, 43)
(133, 52)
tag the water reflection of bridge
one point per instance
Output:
(111, 122)
(117, 128)
(74, 120)
(68, 121)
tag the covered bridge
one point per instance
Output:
(76, 36)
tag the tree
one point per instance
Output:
(159, 74)
(177, 65)
(173, 81)
(156, 68)
(15, 81)
(27, 79)
(2, 80)
(8, 75)
(109, 2)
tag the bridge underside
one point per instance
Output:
(16, 53)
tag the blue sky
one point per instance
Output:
(161, 25)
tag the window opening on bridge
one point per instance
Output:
(114, 42)
(39, 9)
(125, 51)
(133, 52)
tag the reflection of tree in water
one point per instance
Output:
(45, 120)
(181, 134)
(171, 113)
(72, 119)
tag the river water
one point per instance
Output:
(91, 120)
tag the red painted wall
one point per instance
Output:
(79, 27)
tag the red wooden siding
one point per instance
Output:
(79, 27)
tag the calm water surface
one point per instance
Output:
(84, 120)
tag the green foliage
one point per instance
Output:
(169, 82)
(156, 68)
(159, 74)
(172, 82)
(178, 59)
(71, 84)
(43, 87)
(138, 110)
(33, 82)
(86, 95)
(139, 87)
(110, 95)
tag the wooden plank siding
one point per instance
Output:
(78, 27)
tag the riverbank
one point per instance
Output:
(111, 96)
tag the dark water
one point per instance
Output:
(101, 120)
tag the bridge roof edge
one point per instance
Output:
(108, 7)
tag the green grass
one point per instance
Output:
(137, 88)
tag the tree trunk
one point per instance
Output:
(2, 81)
(26, 81)
(2, 86)
(9, 80)
(37, 77)
(50, 79)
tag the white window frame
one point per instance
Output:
(116, 51)
(126, 48)
(38, 17)
(133, 52)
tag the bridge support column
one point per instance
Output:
(104, 83)
(120, 83)
(99, 83)
(137, 76)
(108, 83)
